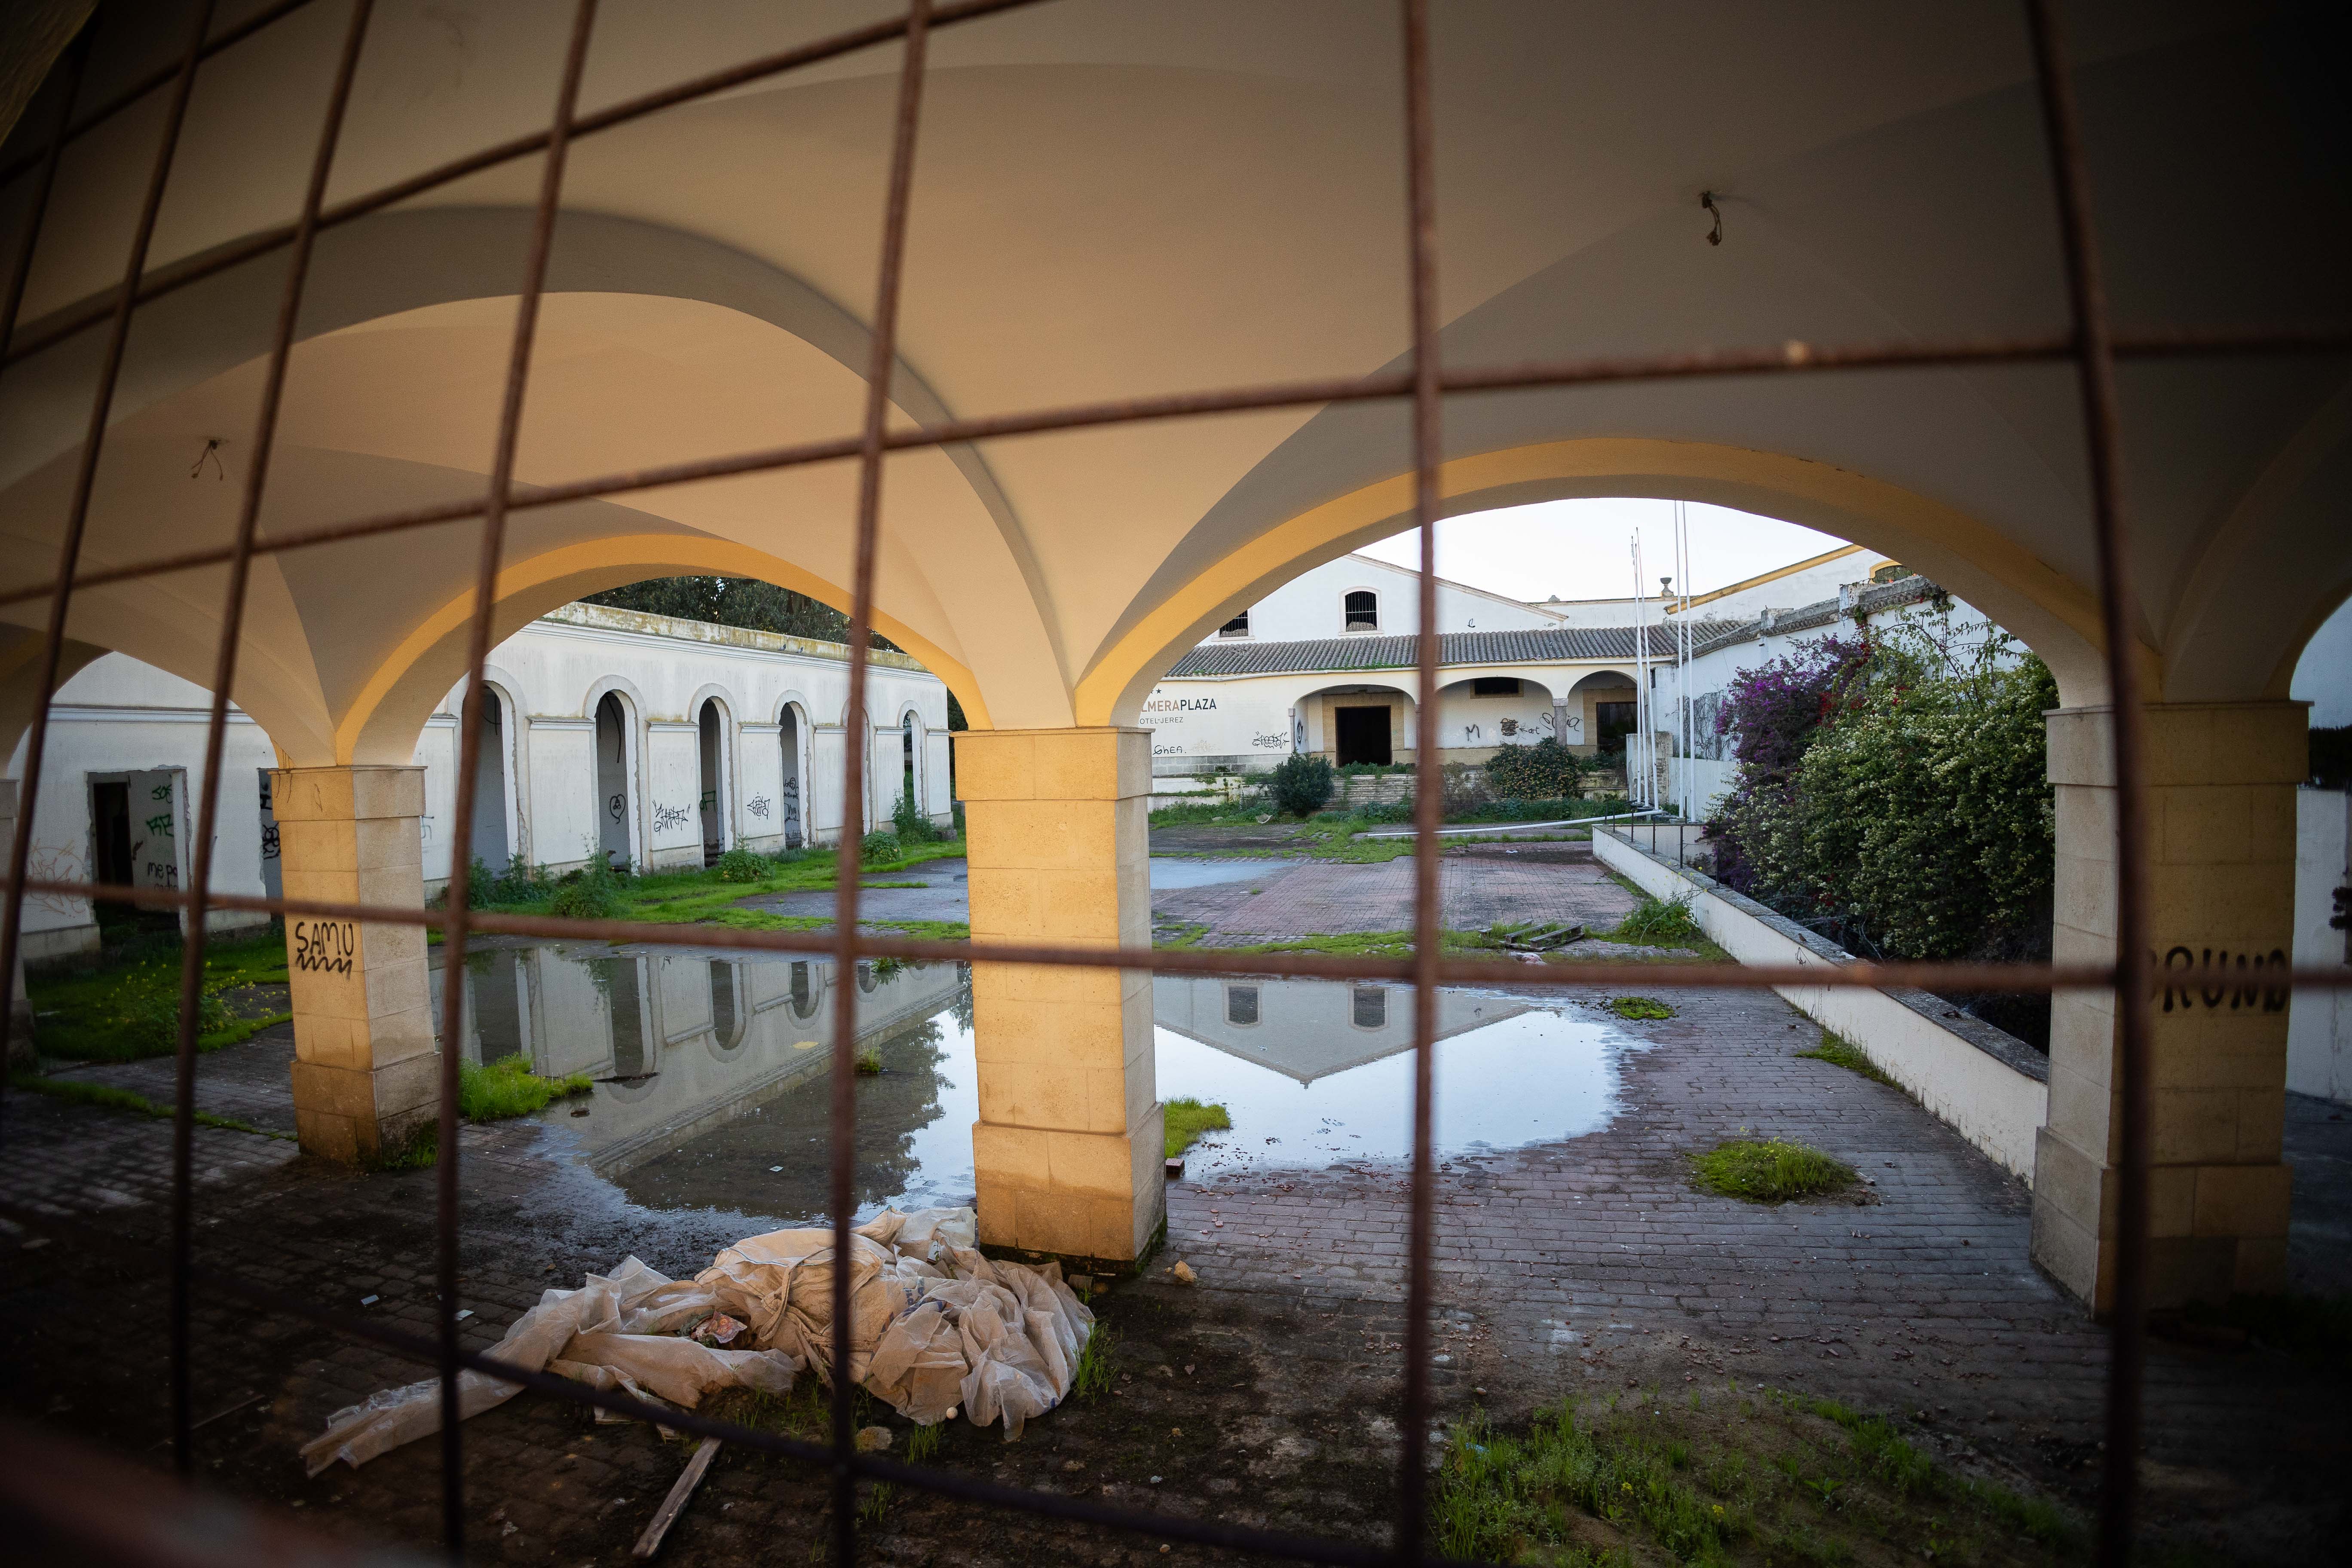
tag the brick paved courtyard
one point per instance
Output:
(1266, 1393)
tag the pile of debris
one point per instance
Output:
(1534, 936)
(934, 1325)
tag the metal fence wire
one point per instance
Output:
(2088, 341)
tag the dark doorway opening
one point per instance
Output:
(110, 815)
(1614, 722)
(1364, 735)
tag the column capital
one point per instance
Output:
(364, 792)
(1108, 761)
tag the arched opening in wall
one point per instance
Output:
(1356, 724)
(791, 736)
(494, 844)
(1602, 711)
(910, 745)
(615, 805)
(712, 757)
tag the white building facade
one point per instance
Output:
(652, 740)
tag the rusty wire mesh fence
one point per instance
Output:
(2088, 341)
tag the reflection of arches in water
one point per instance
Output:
(867, 979)
(804, 993)
(730, 1019)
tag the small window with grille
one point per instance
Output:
(1495, 685)
(1364, 607)
(1236, 627)
(1241, 1004)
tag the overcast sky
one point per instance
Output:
(1580, 549)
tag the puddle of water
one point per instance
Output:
(1171, 873)
(712, 1074)
(1319, 1072)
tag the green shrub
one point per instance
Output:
(595, 895)
(1907, 798)
(876, 848)
(742, 865)
(868, 1063)
(518, 884)
(1545, 770)
(910, 823)
(507, 1088)
(1660, 920)
(1770, 1171)
(1300, 784)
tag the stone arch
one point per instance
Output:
(795, 735)
(715, 714)
(622, 829)
(2048, 611)
(381, 720)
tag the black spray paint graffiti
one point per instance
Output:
(2190, 980)
(617, 808)
(325, 947)
(668, 816)
(758, 807)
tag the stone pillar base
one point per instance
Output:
(2214, 1231)
(366, 1075)
(1068, 1152)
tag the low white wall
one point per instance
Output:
(1985, 1085)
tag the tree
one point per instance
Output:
(744, 602)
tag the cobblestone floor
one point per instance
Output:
(1265, 1394)
(1337, 897)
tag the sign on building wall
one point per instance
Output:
(1216, 724)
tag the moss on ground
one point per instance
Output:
(507, 1088)
(1188, 1119)
(1770, 1171)
(125, 1007)
(1722, 1476)
(1639, 1007)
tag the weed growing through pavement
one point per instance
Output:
(507, 1088)
(923, 1442)
(870, 1061)
(1838, 1051)
(1770, 1171)
(1093, 1375)
(1639, 1007)
(1662, 921)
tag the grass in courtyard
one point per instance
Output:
(1371, 943)
(507, 1088)
(1094, 1374)
(1724, 1477)
(1660, 923)
(1838, 1051)
(1188, 1119)
(127, 1006)
(764, 919)
(105, 1097)
(1639, 1007)
(1770, 1171)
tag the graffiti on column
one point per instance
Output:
(327, 947)
(2205, 977)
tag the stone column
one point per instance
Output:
(1068, 1148)
(2221, 847)
(365, 1072)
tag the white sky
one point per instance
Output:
(1579, 549)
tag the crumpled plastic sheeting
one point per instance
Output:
(933, 1324)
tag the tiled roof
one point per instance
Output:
(1562, 644)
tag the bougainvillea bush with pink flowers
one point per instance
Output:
(1893, 790)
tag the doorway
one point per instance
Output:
(135, 821)
(789, 737)
(1364, 735)
(492, 846)
(612, 802)
(713, 739)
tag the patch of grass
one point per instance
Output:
(507, 1088)
(1188, 1119)
(1094, 1374)
(923, 1443)
(1639, 1007)
(127, 1006)
(1660, 923)
(1374, 943)
(1772, 1478)
(1838, 1051)
(105, 1097)
(1770, 1171)
(873, 886)
(868, 1061)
